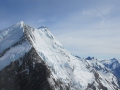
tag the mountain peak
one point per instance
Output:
(89, 58)
(113, 59)
(21, 23)
(42, 27)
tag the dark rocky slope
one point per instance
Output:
(25, 74)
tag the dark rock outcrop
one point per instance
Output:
(26, 73)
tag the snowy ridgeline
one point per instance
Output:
(66, 68)
(12, 44)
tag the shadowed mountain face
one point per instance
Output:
(25, 74)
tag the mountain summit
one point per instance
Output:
(33, 59)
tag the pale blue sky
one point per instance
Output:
(84, 27)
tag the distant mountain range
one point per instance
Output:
(105, 66)
(114, 66)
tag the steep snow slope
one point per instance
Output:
(10, 35)
(66, 71)
(12, 44)
(63, 66)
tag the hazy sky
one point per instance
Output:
(84, 27)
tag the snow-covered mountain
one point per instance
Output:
(114, 66)
(33, 59)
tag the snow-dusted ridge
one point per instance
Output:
(11, 35)
(12, 44)
(69, 72)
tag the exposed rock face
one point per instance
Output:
(25, 74)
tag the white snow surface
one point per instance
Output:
(10, 35)
(13, 54)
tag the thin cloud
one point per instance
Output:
(41, 20)
(99, 11)
(100, 36)
(50, 19)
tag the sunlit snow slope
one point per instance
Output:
(12, 44)
(63, 66)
